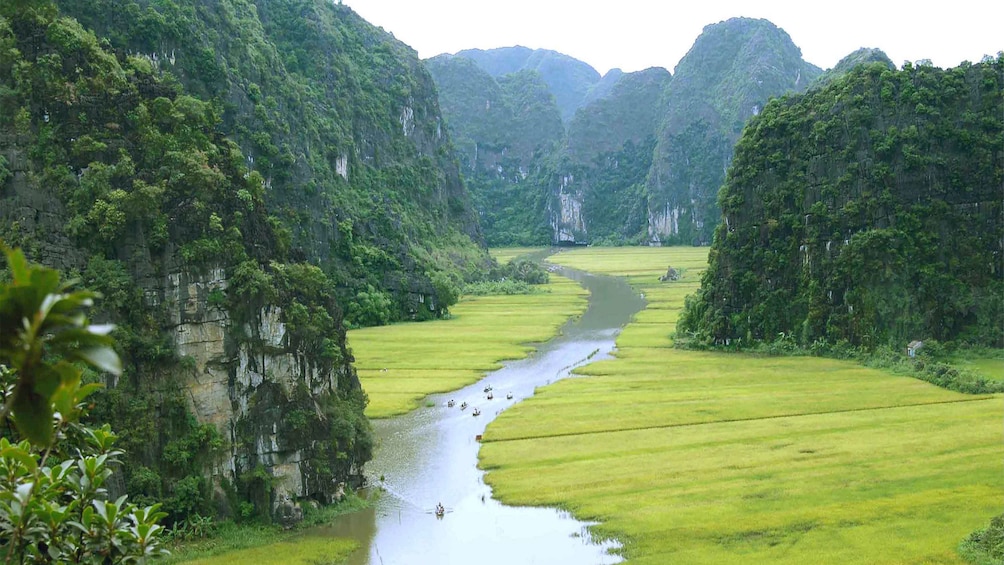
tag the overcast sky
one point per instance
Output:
(637, 34)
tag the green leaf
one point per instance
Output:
(17, 263)
(103, 358)
(21, 456)
(33, 416)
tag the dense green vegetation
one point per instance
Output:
(504, 128)
(340, 120)
(54, 470)
(709, 457)
(607, 155)
(868, 212)
(211, 167)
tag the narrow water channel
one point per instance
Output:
(430, 456)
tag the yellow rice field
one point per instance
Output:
(399, 365)
(695, 457)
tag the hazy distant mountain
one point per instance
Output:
(602, 88)
(728, 75)
(862, 56)
(569, 79)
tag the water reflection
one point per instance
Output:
(430, 456)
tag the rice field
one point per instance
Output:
(399, 365)
(696, 457)
(303, 550)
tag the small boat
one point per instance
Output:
(463, 406)
(450, 404)
(508, 396)
(440, 511)
(490, 396)
(476, 412)
(488, 388)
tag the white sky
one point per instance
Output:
(636, 34)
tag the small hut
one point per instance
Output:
(914, 347)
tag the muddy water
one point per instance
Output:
(430, 456)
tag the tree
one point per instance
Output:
(53, 504)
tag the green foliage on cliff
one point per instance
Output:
(504, 129)
(866, 211)
(607, 155)
(340, 121)
(728, 75)
(289, 144)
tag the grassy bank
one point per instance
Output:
(701, 457)
(401, 364)
(267, 544)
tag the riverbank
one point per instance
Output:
(267, 544)
(399, 365)
(705, 457)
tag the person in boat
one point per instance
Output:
(440, 509)
(463, 406)
(477, 412)
(490, 396)
(508, 396)
(450, 403)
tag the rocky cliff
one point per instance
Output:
(867, 211)
(232, 177)
(505, 128)
(728, 75)
(604, 160)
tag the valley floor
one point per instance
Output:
(699, 457)
(399, 365)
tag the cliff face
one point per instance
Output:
(340, 119)
(604, 160)
(505, 128)
(867, 210)
(232, 177)
(728, 75)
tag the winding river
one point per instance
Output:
(430, 456)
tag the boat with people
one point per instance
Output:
(440, 510)
(508, 396)
(477, 412)
(463, 406)
(450, 403)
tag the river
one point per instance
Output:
(430, 455)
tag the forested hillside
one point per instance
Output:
(234, 178)
(504, 129)
(600, 172)
(644, 153)
(867, 211)
(728, 75)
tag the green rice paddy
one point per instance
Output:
(401, 364)
(696, 457)
(305, 550)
